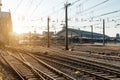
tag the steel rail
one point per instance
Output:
(53, 69)
(19, 75)
(25, 64)
(83, 70)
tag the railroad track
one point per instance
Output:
(49, 70)
(71, 63)
(112, 60)
(108, 72)
(99, 50)
(104, 53)
(104, 60)
(40, 68)
(94, 71)
(24, 70)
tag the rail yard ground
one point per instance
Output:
(93, 49)
(106, 58)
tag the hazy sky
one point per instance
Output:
(29, 15)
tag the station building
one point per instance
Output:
(76, 35)
(5, 26)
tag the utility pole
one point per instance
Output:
(92, 34)
(71, 39)
(66, 25)
(0, 5)
(103, 32)
(30, 34)
(48, 35)
(80, 36)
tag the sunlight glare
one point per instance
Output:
(19, 27)
(18, 30)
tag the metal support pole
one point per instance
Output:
(48, 45)
(30, 38)
(103, 32)
(66, 26)
(71, 39)
(80, 36)
(92, 34)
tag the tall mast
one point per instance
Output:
(0, 5)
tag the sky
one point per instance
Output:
(31, 15)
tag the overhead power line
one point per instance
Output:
(51, 13)
(57, 9)
(75, 2)
(31, 2)
(95, 6)
(84, 1)
(36, 7)
(63, 7)
(18, 6)
(107, 13)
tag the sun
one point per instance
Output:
(18, 30)
(21, 29)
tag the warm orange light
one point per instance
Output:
(19, 27)
(17, 30)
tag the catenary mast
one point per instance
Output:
(0, 5)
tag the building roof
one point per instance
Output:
(85, 34)
(4, 14)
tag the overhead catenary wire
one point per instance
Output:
(95, 6)
(31, 2)
(51, 13)
(57, 9)
(112, 12)
(39, 18)
(99, 4)
(62, 7)
(36, 7)
(28, 7)
(90, 8)
(75, 2)
(18, 6)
